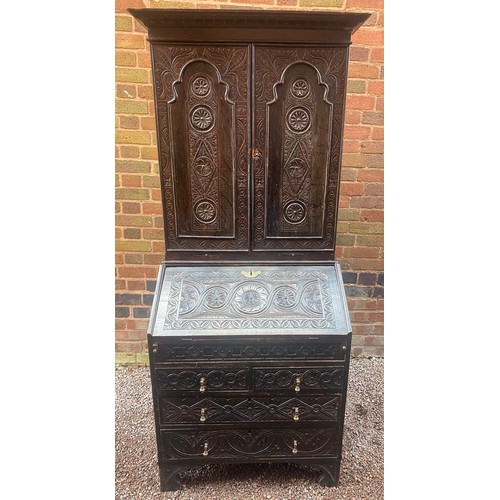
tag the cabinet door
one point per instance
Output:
(298, 120)
(202, 107)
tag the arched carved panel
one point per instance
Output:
(201, 97)
(298, 119)
(203, 153)
(297, 154)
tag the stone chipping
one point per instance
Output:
(362, 467)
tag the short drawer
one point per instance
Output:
(192, 410)
(299, 379)
(202, 380)
(243, 443)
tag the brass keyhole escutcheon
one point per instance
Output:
(295, 413)
(250, 274)
(294, 449)
(203, 415)
(205, 449)
(203, 381)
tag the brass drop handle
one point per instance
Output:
(155, 348)
(205, 449)
(344, 348)
(203, 381)
(202, 415)
(294, 449)
(297, 384)
(295, 413)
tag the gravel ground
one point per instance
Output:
(361, 475)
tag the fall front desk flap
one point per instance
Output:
(253, 300)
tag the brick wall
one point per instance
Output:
(139, 226)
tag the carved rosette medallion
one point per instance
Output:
(300, 88)
(251, 298)
(215, 297)
(204, 167)
(202, 118)
(294, 212)
(205, 211)
(200, 86)
(286, 297)
(298, 120)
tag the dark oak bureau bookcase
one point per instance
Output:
(249, 337)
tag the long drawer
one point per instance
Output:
(292, 380)
(248, 443)
(196, 410)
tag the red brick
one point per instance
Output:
(118, 233)
(152, 208)
(120, 285)
(155, 194)
(136, 284)
(352, 188)
(131, 272)
(367, 265)
(128, 347)
(158, 246)
(371, 175)
(149, 153)
(287, 2)
(143, 59)
(362, 252)
(369, 71)
(123, 5)
(351, 146)
(257, 2)
(368, 37)
(148, 123)
(129, 152)
(377, 55)
(356, 132)
(359, 54)
(137, 324)
(372, 147)
(130, 207)
(353, 117)
(374, 190)
(360, 102)
(126, 91)
(129, 122)
(131, 180)
(376, 87)
(365, 4)
(153, 258)
(372, 215)
(134, 258)
(118, 256)
(378, 133)
(145, 91)
(120, 324)
(367, 202)
(380, 104)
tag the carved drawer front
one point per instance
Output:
(298, 379)
(202, 380)
(251, 351)
(261, 443)
(240, 410)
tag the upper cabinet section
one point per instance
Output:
(250, 108)
(202, 116)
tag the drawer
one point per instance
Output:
(192, 410)
(202, 380)
(299, 379)
(243, 443)
(250, 350)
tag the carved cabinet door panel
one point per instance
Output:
(298, 119)
(202, 116)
